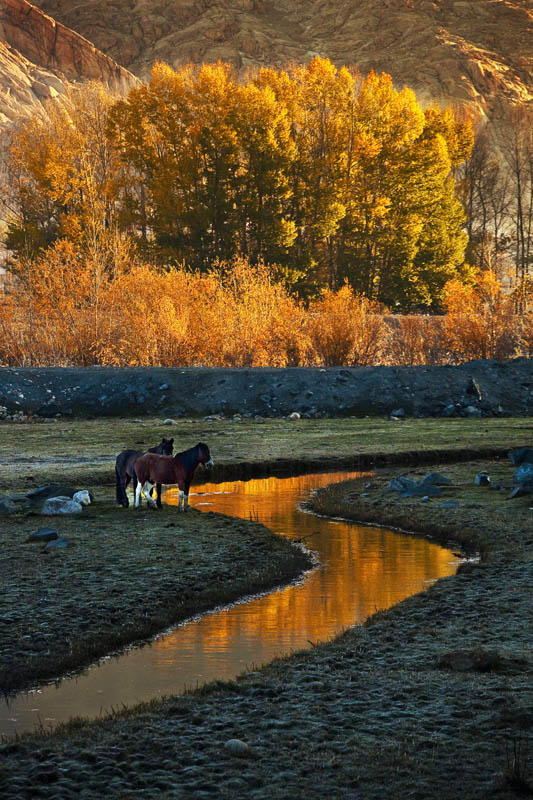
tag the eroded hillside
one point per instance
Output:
(478, 52)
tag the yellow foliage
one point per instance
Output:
(480, 320)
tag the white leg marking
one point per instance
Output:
(138, 495)
(146, 491)
(181, 496)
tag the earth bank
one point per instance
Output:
(478, 388)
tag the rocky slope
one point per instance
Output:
(473, 52)
(40, 57)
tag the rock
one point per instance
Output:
(449, 411)
(58, 544)
(522, 455)
(482, 479)
(526, 487)
(417, 491)
(523, 473)
(169, 422)
(7, 506)
(399, 413)
(424, 499)
(400, 484)
(61, 505)
(473, 390)
(238, 748)
(83, 497)
(295, 415)
(472, 411)
(435, 479)
(43, 535)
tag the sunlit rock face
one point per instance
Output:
(469, 53)
(39, 58)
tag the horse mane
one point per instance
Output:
(190, 456)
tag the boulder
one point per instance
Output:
(82, 497)
(400, 484)
(61, 505)
(482, 479)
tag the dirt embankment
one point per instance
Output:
(478, 388)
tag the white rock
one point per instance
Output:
(61, 505)
(83, 497)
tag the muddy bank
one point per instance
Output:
(430, 699)
(478, 388)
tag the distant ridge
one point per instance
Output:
(473, 53)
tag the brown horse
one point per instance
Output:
(153, 469)
(124, 471)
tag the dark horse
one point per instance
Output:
(125, 463)
(152, 469)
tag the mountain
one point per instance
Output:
(40, 57)
(477, 53)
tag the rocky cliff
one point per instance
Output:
(39, 57)
(473, 52)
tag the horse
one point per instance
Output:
(153, 469)
(125, 463)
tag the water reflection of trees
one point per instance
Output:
(368, 569)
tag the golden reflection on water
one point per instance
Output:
(362, 569)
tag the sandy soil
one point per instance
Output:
(431, 699)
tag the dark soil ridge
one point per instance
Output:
(505, 388)
(292, 467)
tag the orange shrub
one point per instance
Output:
(415, 340)
(480, 320)
(344, 328)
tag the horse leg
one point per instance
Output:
(122, 498)
(138, 495)
(158, 492)
(186, 488)
(146, 492)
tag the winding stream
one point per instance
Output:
(363, 569)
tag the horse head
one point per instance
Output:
(166, 447)
(204, 456)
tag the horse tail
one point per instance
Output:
(122, 497)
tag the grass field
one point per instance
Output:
(83, 452)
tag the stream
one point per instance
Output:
(362, 569)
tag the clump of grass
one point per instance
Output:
(517, 773)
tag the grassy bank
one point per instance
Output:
(84, 451)
(125, 576)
